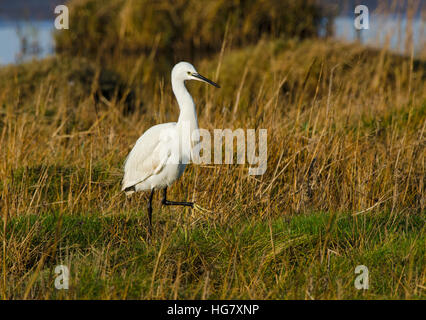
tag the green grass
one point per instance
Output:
(294, 257)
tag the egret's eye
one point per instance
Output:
(189, 73)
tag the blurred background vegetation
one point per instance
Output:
(178, 29)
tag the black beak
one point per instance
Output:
(199, 76)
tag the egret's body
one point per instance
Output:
(155, 161)
(149, 164)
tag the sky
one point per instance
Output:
(28, 9)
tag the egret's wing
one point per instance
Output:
(149, 155)
(150, 166)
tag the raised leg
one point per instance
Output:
(150, 212)
(174, 203)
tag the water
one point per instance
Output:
(39, 42)
(24, 40)
(383, 30)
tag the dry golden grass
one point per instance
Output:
(345, 183)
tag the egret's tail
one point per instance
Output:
(129, 190)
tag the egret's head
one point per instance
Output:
(185, 71)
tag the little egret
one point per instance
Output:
(155, 162)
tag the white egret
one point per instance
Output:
(155, 162)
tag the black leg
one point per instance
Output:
(150, 212)
(174, 203)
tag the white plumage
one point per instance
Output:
(149, 165)
(160, 155)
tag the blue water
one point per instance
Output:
(39, 40)
(384, 31)
(38, 35)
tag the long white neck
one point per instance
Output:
(188, 114)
